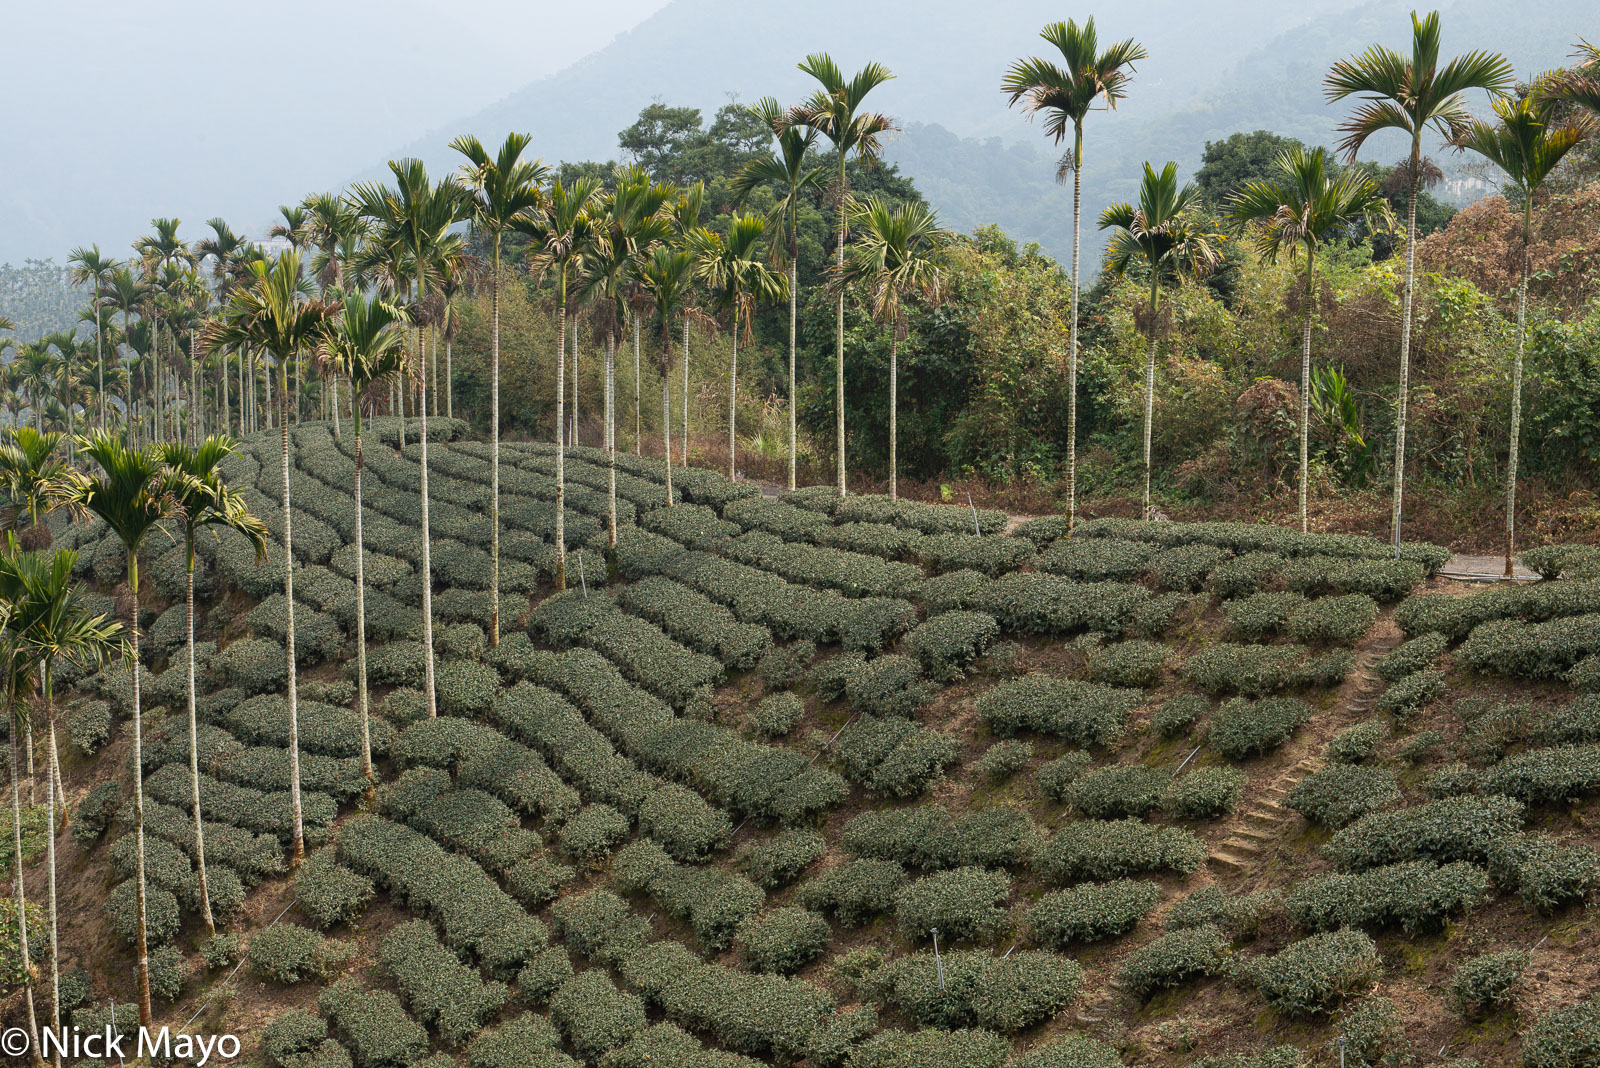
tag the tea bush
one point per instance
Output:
(1241, 915)
(854, 891)
(1342, 793)
(697, 622)
(714, 903)
(1090, 912)
(963, 1048)
(1356, 744)
(992, 554)
(327, 893)
(1177, 714)
(1173, 959)
(374, 1025)
(1547, 875)
(1411, 657)
(1118, 790)
(526, 1041)
(289, 953)
(1005, 994)
(291, 1035)
(1131, 663)
(784, 667)
(1032, 602)
(1260, 615)
(778, 861)
(894, 757)
(1418, 896)
(1055, 778)
(1408, 696)
(1452, 828)
(783, 941)
(1084, 713)
(1242, 728)
(1335, 620)
(1488, 981)
(593, 832)
(948, 643)
(889, 686)
(776, 715)
(1254, 670)
(1314, 974)
(1567, 1036)
(1517, 649)
(1111, 849)
(442, 992)
(928, 837)
(1204, 793)
(963, 903)
(1002, 760)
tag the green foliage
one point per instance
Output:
(1118, 790)
(95, 813)
(948, 643)
(443, 993)
(1005, 994)
(1408, 696)
(963, 1048)
(779, 860)
(1342, 793)
(1111, 849)
(1449, 829)
(1412, 656)
(963, 903)
(889, 686)
(1373, 1035)
(1055, 777)
(89, 726)
(1314, 974)
(593, 833)
(288, 953)
(1517, 649)
(782, 941)
(1173, 959)
(713, 902)
(1488, 981)
(928, 837)
(1418, 896)
(161, 913)
(291, 1035)
(1002, 760)
(1334, 620)
(783, 667)
(894, 757)
(1546, 874)
(1253, 670)
(327, 893)
(854, 891)
(1204, 793)
(1241, 728)
(1355, 744)
(1132, 663)
(1239, 914)
(1177, 714)
(1090, 912)
(1084, 713)
(1566, 1036)
(373, 1024)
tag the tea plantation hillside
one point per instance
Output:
(842, 783)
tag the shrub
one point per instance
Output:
(1407, 697)
(167, 972)
(1002, 760)
(1090, 912)
(855, 891)
(1517, 649)
(1031, 602)
(89, 726)
(543, 975)
(1585, 675)
(1173, 959)
(1253, 670)
(1111, 849)
(1186, 567)
(593, 832)
(831, 676)
(782, 941)
(680, 820)
(928, 837)
(1131, 663)
(1314, 974)
(1370, 1034)
(697, 622)
(1084, 713)
(776, 715)
(1177, 714)
(220, 951)
(1118, 790)
(374, 1025)
(964, 903)
(915, 1049)
(1096, 559)
(895, 757)
(1338, 620)
(1242, 728)
(1342, 793)
(1260, 615)
(598, 924)
(1567, 1036)
(950, 591)
(1541, 776)
(290, 1033)
(991, 555)
(1355, 744)
(947, 643)
(161, 913)
(784, 667)
(1055, 778)
(779, 860)
(1204, 793)
(1488, 981)
(1006, 994)
(1417, 895)
(1412, 656)
(591, 1012)
(526, 1041)
(889, 686)
(328, 893)
(713, 902)
(289, 953)
(254, 665)
(1239, 914)
(1452, 828)
(443, 993)
(95, 813)
(1547, 875)
(869, 624)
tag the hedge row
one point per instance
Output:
(1418, 896)
(1449, 829)
(1455, 617)
(931, 838)
(714, 903)
(853, 574)
(1084, 713)
(1111, 849)
(895, 757)
(1254, 670)
(484, 758)
(1005, 994)
(697, 622)
(1252, 537)
(1519, 649)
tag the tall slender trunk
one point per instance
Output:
(838, 335)
(561, 452)
(194, 744)
(666, 402)
(427, 560)
(50, 863)
(333, 404)
(1404, 398)
(449, 378)
(100, 364)
(733, 397)
(1516, 382)
(361, 616)
(1072, 332)
(494, 450)
(638, 421)
(575, 381)
(794, 267)
(684, 447)
(1150, 389)
(894, 412)
(1305, 390)
(433, 354)
(141, 939)
(298, 839)
(227, 416)
(611, 437)
(21, 895)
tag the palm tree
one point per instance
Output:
(685, 216)
(275, 314)
(293, 227)
(50, 623)
(1157, 232)
(1411, 95)
(896, 256)
(1527, 142)
(89, 266)
(666, 275)
(202, 499)
(331, 225)
(1066, 93)
(33, 476)
(17, 668)
(1304, 207)
(130, 494)
(561, 229)
(367, 348)
(787, 170)
(835, 112)
(124, 292)
(1578, 85)
(500, 189)
(732, 270)
(416, 217)
(628, 221)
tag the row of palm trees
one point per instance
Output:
(1309, 202)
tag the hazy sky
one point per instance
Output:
(123, 110)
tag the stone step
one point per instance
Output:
(1266, 819)
(1257, 834)
(1229, 862)
(1234, 843)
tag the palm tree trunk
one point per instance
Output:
(100, 364)
(141, 939)
(1305, 393)
(638, 422)
(494, 450)
(50, 862)
(449, 378)
(427, 560)
(1150, 391)
(733, 397)
(1516, 382)
(575, 381)
(361, 618)
(611, 439)
(333, 404)
(561, 452)
(298, 841)
(22, 900)
(838, 337)
(794, 281)
(1405, 345)
(194, 751)
(1072, 332)
(894, 400)
(433, 353)
(666, 402)
(684, 447)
